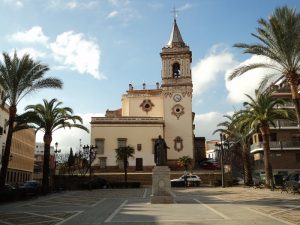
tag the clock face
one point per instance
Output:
(177, 97)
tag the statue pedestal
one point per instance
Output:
(161, 186)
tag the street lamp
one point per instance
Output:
(90, 149)
(56, 151)
(221, 148)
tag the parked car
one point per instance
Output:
(96, 183)
(9, 193)
(293, 177)
(192, 180)
(209, 164)
(31, 187)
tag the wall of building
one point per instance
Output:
(134, 133)
(131, 103)
(20, 167)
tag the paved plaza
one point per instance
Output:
(228, 206)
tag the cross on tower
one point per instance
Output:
(174, 11)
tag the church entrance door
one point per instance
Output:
(139, 164)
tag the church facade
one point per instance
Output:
(145, 114)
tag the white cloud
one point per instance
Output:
(18, 3)
(72, 4)
(206, 124)
(112, 14)
(33, 35)
(67, 138)
(246, 83)
(206, 70)
(34, 53)
(119, 2)
(185, 7)
(80, 54)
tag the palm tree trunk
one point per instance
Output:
(247, 166)
(6, 155)
(293, 82)
(125, 171)
(267, 164)
(46, 168)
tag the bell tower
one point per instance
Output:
(177, 89)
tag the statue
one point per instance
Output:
(160, 152)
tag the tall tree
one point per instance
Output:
(122, 154)
(49, 117)
(259, 114)
(238, 135)
(184, 161)
(279, 43)
(19, 77)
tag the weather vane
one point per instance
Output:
(174, 11)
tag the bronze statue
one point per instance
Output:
(160, 152)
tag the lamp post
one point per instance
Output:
(221, 148)
(90, 149)
(56, 151)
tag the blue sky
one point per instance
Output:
(98, 47)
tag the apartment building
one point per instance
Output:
(284, 139)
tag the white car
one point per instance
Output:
(192, 180)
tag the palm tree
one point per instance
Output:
(19, 77)
(184, 161)
(259, 114)
(122, 154)
(48, 118)
(279, 42)
(238, 135)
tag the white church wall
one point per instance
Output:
(134, 133)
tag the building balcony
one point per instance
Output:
(277, 146)
(280, 124)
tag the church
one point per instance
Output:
(145, 114)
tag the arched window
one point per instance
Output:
(176, 70)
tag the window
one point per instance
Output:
(297, 157)
(100, 146)
(153, 144)
(102, 162)
(176, 70)
(273, 136)
(122, 142)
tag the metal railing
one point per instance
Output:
(281, 145)
(285, 123)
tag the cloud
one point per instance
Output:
(80, 54)
(214, 64)
(67, 138)
(119, 2)
(18, 3)
(206, 124)
(33, 35)
(112, 14)
(34, 53)
(186, 6)
(72, 4)
(246, 83)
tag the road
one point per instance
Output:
(203, 205)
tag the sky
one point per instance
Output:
(98, 47)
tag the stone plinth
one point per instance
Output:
(161, 186)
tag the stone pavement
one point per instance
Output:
(226, 206)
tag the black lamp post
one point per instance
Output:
(56, 151)
(90, 149)
(221, 148)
